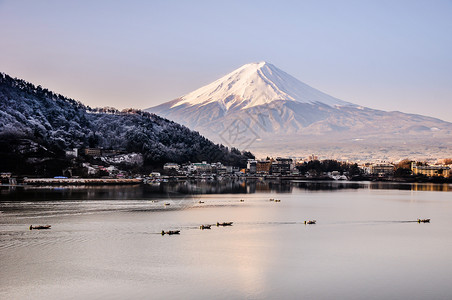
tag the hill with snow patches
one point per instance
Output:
(264, 109)
(37, 126)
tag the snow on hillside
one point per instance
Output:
(37, 123)
(256, 84)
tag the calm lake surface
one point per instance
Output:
(105, 242)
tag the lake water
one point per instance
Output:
(105, 242)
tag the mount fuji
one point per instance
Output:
(261, 108)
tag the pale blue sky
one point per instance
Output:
(390, 55)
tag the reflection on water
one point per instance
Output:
(105, 241)
(431, 187)
(183, 188)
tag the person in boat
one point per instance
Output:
(224, 224)
(171, 232)
(40, 227)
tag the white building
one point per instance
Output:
(72, 153)
(169, 166)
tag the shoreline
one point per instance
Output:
(135, 181)
(80, 181)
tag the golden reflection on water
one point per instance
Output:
(249, 264)
(422, 187)
(431, 187)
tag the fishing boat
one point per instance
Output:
(310, 222)
(40, 227)
(205, 227)
(423, 220)
(171, 232)
(224, 224)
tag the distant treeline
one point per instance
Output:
(318, 167)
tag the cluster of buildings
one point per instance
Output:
(278, 166)
(111, 171)
(92, 152)
(387, 169)
(287, 166)
(379, 169)
(201, 168)
(430, 171)
(109, 159)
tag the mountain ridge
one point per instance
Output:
(301, 113)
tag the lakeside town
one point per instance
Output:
(98, 166)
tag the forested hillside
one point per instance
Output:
(37, 126)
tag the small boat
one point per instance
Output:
(423, 220)
(205, 227)
(171, 232)
(40, 227)
(310, 222)
(224, 224)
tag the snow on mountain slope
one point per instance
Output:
(263, 109)
(256, 84)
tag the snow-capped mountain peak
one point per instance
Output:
(264, 109)
(256, 84)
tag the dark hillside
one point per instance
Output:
(37, 126)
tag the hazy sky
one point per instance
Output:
(390, 55)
